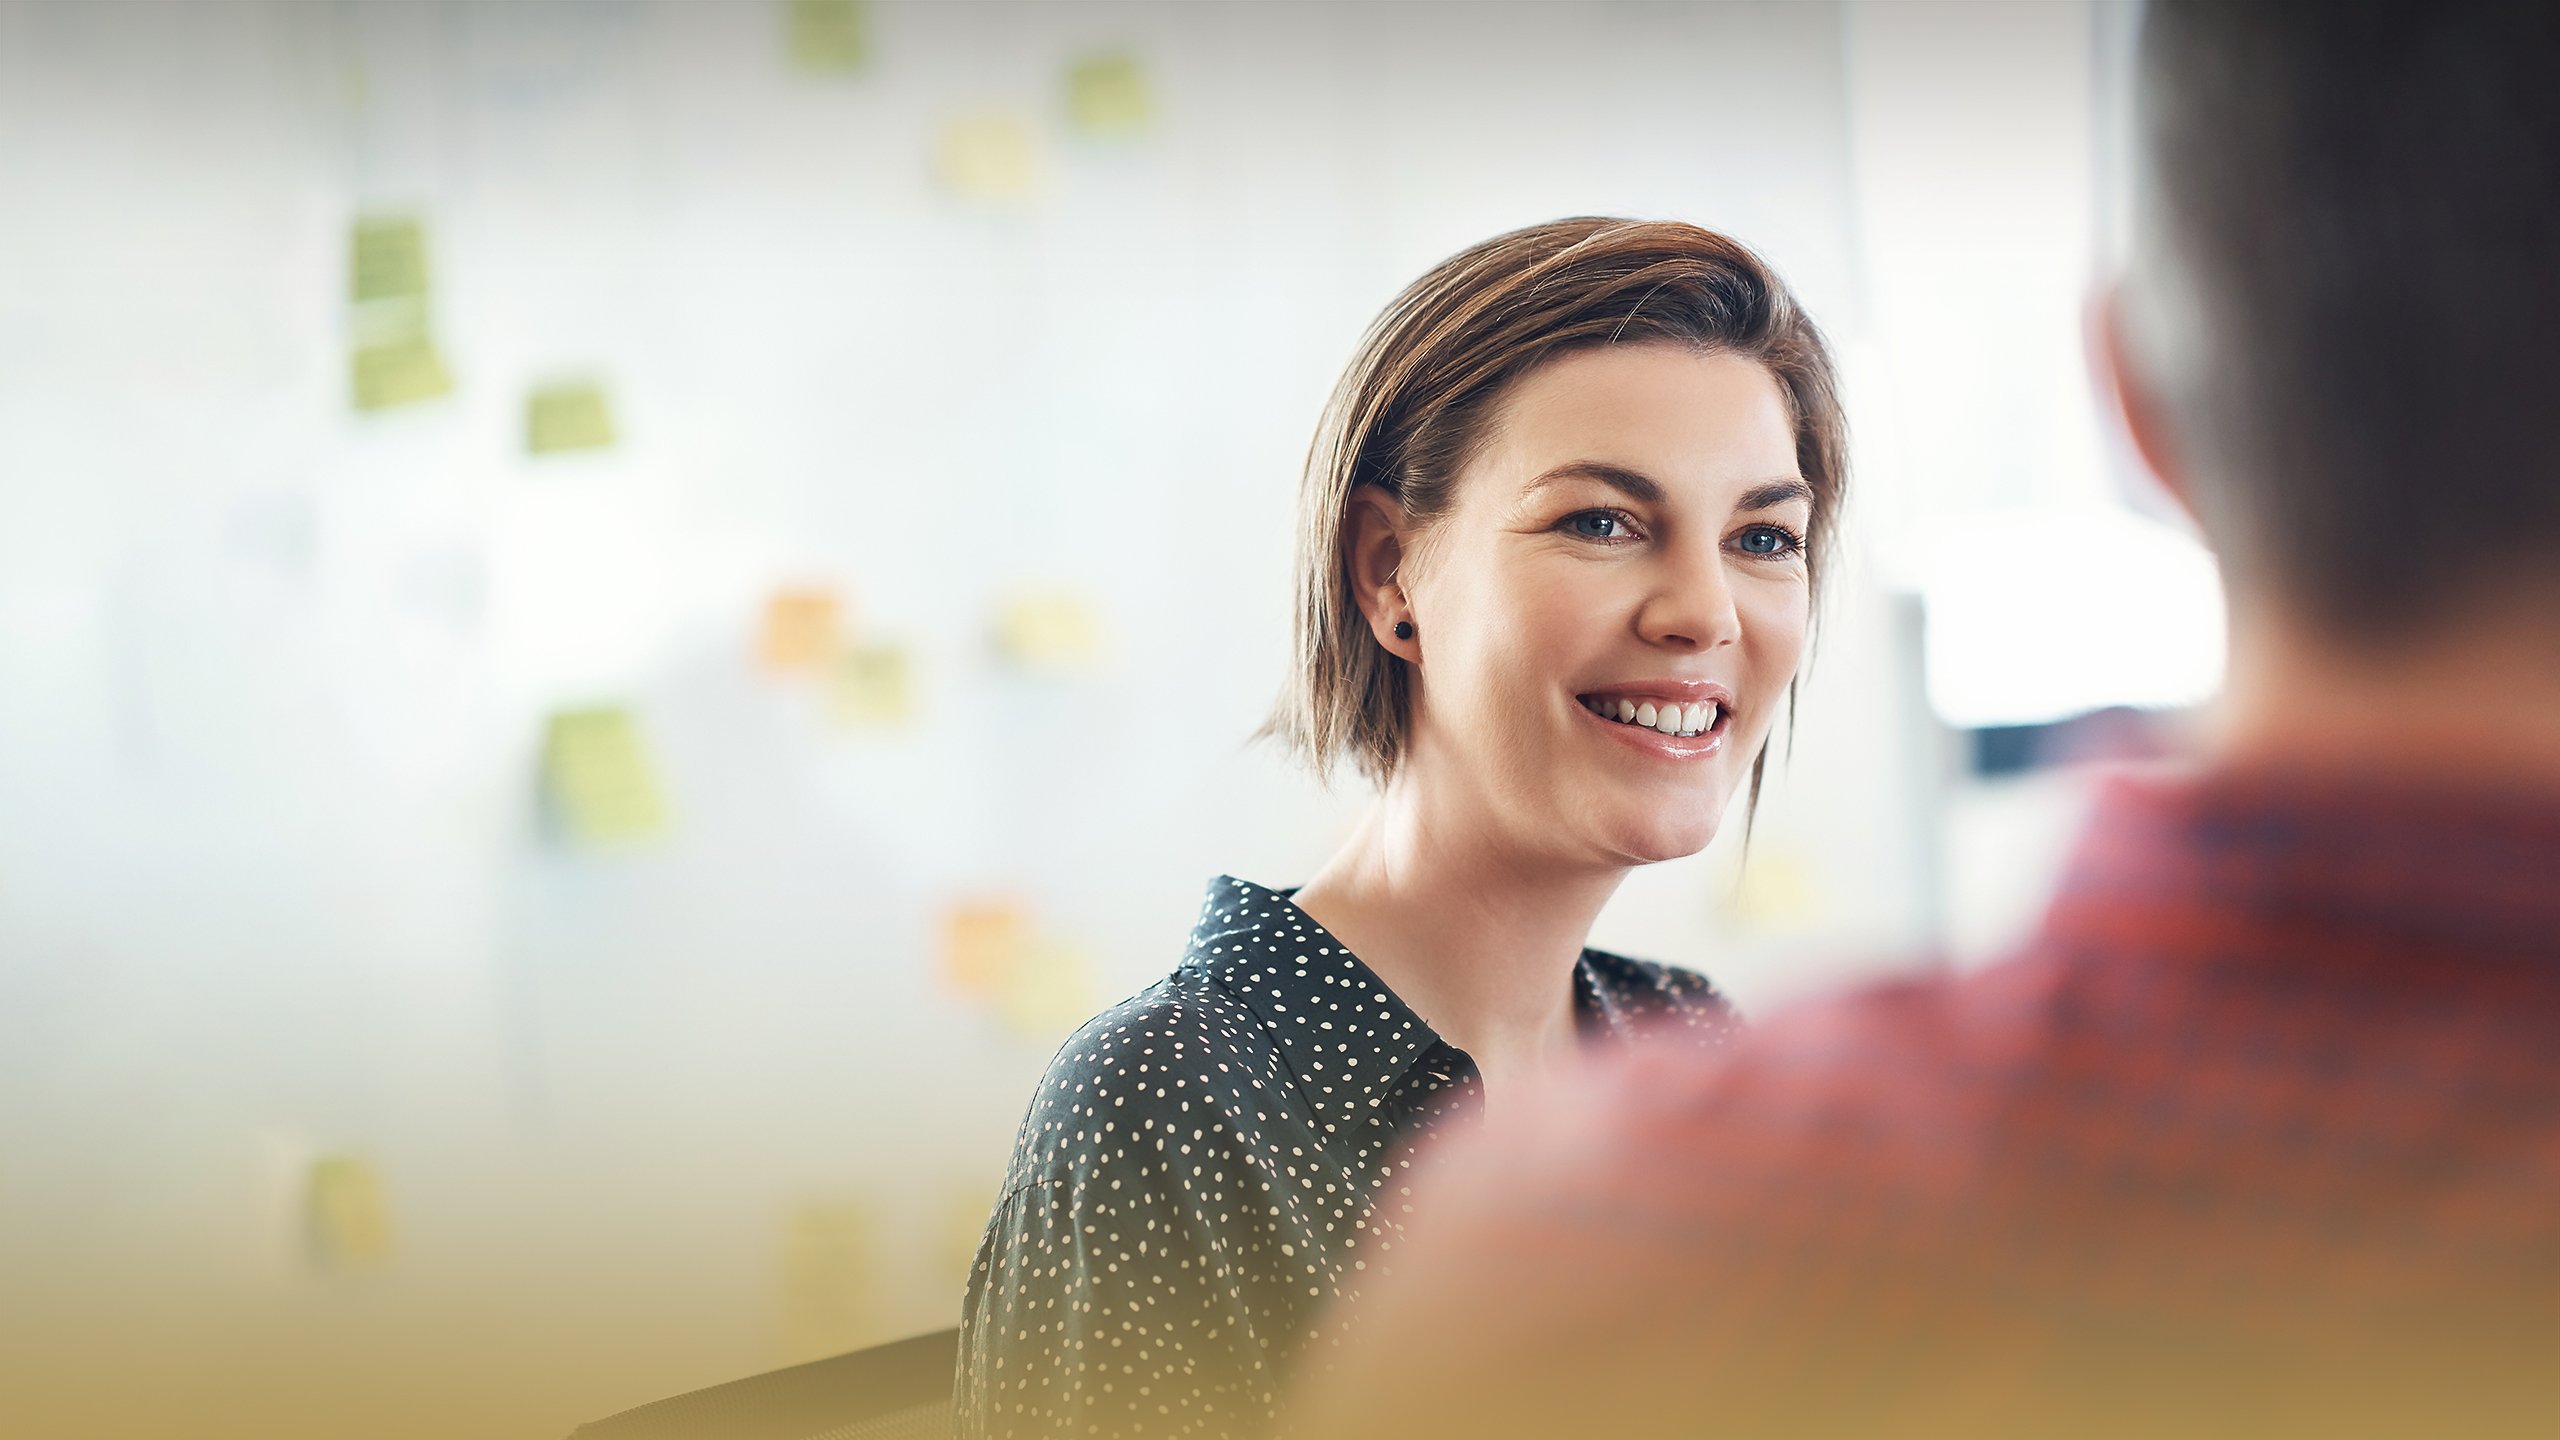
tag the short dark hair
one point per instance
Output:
(1430, 372)
(2345, 289)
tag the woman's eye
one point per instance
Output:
(1768, 540)
(1597, 525)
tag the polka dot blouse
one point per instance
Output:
(1212, 1164)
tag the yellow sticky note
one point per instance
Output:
(399, 371)
(349, 1219)
(827, 1278)
(872, 687)
(597, 779)
(982, 944)
(800, 629)
(1107, 96)
(1049, 992)
(1778, 890)
(829, 35)
(988, 157)
(388, 258)
(1053, 630)
(569, 416)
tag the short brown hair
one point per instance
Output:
(2344, 289)
(1414, 402)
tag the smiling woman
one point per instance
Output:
(1632, 521)
(1561, 532)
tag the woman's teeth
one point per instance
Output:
(1669, 719)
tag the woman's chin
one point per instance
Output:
(1652, 844)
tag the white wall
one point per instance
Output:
(273, 673)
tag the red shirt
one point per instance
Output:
(2258, 1134)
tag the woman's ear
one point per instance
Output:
(1375, 552)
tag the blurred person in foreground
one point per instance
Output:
(2260, 1133)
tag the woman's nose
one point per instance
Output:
(1693, 609)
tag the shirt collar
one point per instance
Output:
(2443, 865)
(1346, 1037)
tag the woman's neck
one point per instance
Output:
(1481, 945)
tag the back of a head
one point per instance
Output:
(2344, 290)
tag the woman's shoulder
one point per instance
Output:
(1648, 990)
(1178, 1055)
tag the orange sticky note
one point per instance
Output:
(800, 628)
(982, 944)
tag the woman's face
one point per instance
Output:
(1609, 614)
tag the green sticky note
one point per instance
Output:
(399, 371)
(988, 157)
(596, 777)
(390, 258)
(1049, 993)
(347, 1220)
(1051, 630)
(573, 416)
(1107, 96)
(872, 687)
(829, 35)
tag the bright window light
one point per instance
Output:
(2038, 614)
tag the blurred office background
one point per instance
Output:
(614, 616)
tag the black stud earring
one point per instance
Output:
(1404, 629)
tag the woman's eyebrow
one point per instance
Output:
(1768, 495)
(1633, 485)
(1774, 494)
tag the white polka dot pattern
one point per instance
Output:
(1210, 1165)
